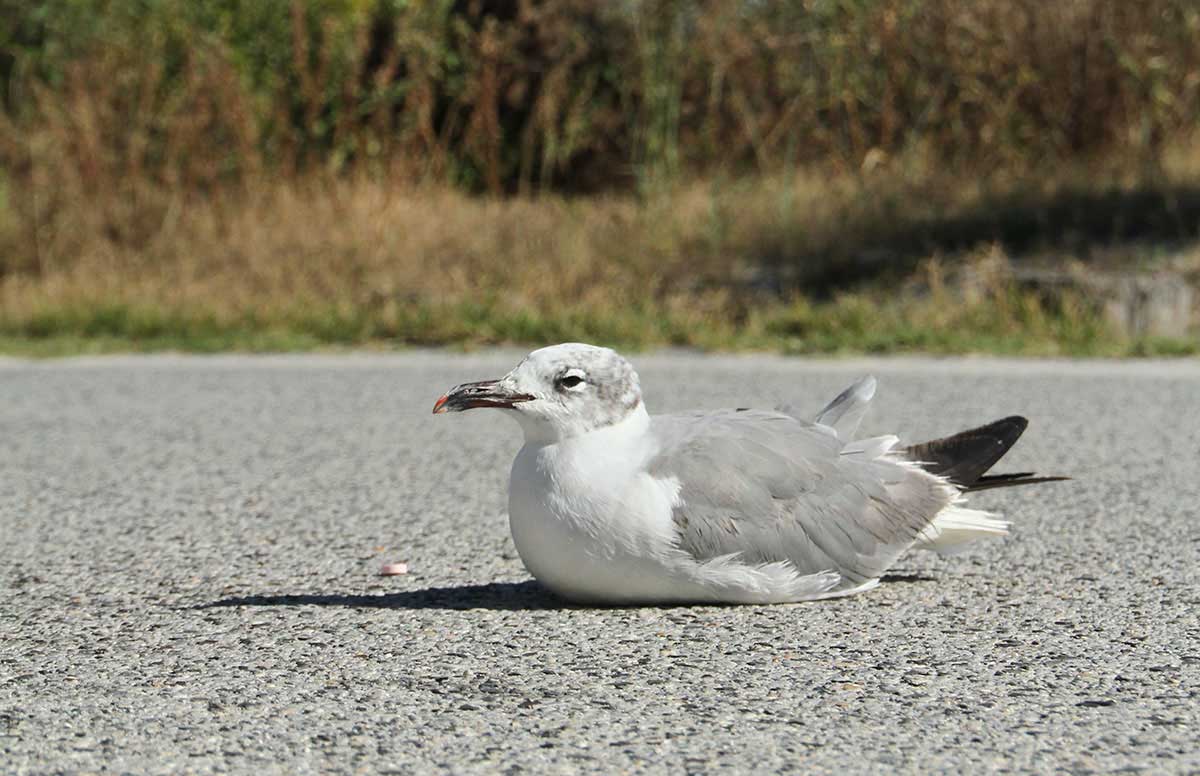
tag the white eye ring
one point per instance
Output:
(571, 380)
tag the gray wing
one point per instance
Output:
(847, 409)
(772, 487)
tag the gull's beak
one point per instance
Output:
(487, 393)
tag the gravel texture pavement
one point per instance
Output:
(190, 551)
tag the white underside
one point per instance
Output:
(592, 526)
(584, 566)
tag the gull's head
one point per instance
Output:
(557, 392)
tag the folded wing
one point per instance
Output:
(770, 487)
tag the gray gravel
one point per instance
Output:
(189, 551)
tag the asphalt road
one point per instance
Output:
(189, 556)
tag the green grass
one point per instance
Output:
(855, 324)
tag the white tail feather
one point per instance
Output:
(956, 527)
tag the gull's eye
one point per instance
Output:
(570, 380)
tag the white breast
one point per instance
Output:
(589, 523)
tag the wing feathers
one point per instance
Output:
(773, 488)
(846, 411)
(963, 457)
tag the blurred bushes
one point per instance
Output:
(580, 95)
(282, 173)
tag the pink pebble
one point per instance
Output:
(393, 569)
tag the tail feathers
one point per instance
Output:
(962, 458)
(956, 527)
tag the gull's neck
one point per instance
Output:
(619, 435)
(630, 428)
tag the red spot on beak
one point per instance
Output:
(440, 406)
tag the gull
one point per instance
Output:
(610, 505)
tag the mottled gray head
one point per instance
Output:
(557, 392)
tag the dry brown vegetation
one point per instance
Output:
(338, 261)
(712, 174)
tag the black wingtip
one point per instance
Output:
(1010, 428)
(964, 457)
(1019, 421)
(989, 481)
